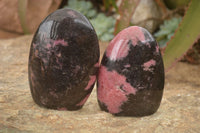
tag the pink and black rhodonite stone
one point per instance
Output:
(131, 75)
(63, 61)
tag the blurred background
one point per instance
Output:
(159, 17)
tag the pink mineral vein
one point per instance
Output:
(136, 35)
(148, 44)
(62, 109)
(148, 64)
(91, 82)
(60, 42)
(71, 13)
(119, 48)
(48, 46)
(113, 89)
(157, 48)
(127, 65)
(52, 93)
(96, 65)
(83, 101)
(32, 76)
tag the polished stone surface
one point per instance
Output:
(179, 111)
(63, 61)
(131, 74)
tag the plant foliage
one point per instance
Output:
(22, 6)
(103, 25)
(166, 31)
(186, 34)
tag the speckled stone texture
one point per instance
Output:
(63, 61)
(131, 75)
(179, 111)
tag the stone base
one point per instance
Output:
(179, 110)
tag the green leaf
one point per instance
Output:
(22, 6)
(166, 31)
(91, 14)
(102, 24)
(162, 43)
(185, 36)
(106, 37)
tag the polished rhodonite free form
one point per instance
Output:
(131, 75)
(63, 61)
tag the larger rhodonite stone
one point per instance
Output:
(63, 61)
(131, 75)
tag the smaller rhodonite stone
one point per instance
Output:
(131, 74)
(63, 61)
